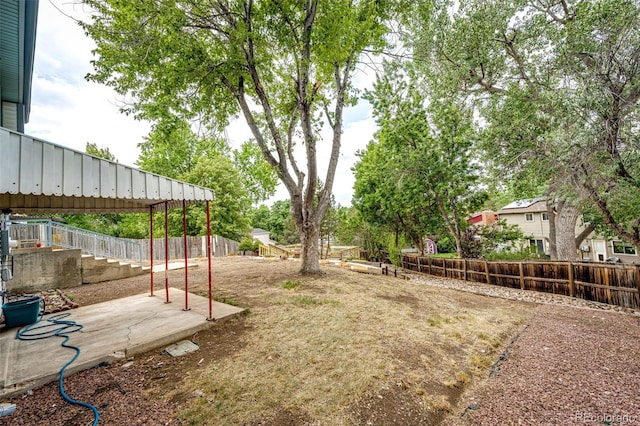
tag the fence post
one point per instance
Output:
(50, 233)
(638, 285)
(521, 276)
(606, 283)
(429, 263)
(486, 271)
(464, 266)
(444, 264)
(571, 289)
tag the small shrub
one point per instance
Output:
(248, 245)
(291, 284)
(225, 300)
(463, 377)
(481, 362)
(437, 320)
(306, 301)
(440, 404)
(310, 301)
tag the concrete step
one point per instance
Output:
(99, 269)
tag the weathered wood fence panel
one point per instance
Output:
(196, 247)
(606, 283)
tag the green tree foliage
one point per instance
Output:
(248, 245)
(281, 64)
(558, 84)
(278, 221)
(329, 228)
(486, 241)
(100, 152)
(172, 149)
(232, 204)
(354, 230)
(260, 217)
(419, 177)
(258, 177)
(347, 233)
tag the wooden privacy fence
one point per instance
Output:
(293, 251)
(598, 282)
(196, 247)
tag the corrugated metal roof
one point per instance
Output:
(40, 177)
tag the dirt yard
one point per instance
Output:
(355, 349)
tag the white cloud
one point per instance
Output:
(65, 108)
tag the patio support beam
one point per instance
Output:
(151, 248)
(186, 256)
(166, 251)
(209, 260)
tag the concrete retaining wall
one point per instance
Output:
(37, 269)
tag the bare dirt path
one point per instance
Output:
(350, 348)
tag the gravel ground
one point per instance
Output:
(575, 363)
(568, 367)
(516, 294)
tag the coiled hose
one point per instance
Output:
(56, 326)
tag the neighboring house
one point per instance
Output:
(18, 19)
(262, 236)
(532, 218)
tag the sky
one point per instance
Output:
(70, 111)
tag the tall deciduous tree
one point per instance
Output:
(425, 157)
(280, 63)
(558, 83)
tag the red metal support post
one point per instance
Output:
(186, 255)
(209, 260)
(151, 247)
(166, 251)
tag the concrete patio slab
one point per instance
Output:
(172, 266)
(112, 330)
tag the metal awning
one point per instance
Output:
(41, 177)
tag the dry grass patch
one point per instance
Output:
(365, 338)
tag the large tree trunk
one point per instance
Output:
(452, 226)
(309, 254)
(565, 218)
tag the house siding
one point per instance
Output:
(594, 248)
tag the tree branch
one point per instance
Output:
(584, 234)
(304, 103)
(609, 220)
